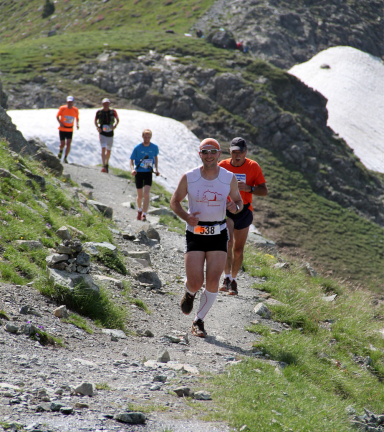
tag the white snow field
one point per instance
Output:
(354, 87)
(178, 146)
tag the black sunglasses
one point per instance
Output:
(205, 152)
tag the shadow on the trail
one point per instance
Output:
(213, 341)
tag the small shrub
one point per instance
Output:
(112, 261)
(49, 9)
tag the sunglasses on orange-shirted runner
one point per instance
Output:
(212, 151)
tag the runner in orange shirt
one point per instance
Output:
(251, 182)
(66, 117)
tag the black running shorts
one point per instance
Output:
(243, 219)
(65, 135)
(206, 243)
(143, 179)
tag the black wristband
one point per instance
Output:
(252, 189)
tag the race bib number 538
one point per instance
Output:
(207, 230)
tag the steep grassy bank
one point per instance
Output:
(333, 356)
(29, 212)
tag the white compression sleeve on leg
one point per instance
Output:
(206, 301)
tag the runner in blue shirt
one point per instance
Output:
(144, 162)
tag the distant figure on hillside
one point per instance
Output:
(143, 158)
(66, 117)
(251, 182)
(106, 121)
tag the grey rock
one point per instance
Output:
(85, 389)
(55, 259)
(260, 242)
(202, 395)
(87, 185)
(160, 378)
(61, 249)
(222, 39)
(29, 310)
(163, 355)
(128, 235)
(118, 334)
(262, 310)
(83, 259)
(329, 298)
(116, 282)
(148, 276)
(131, 417)
(11, 328)
(155, 387)
(95, 248)
(308, 268)
(82, 270)
(148, 333)
(56, 406)
(161, 212)
(30, 244)
(183, 391)
(283, 265)
(6, 174)
(139, 254)
(45, 156)
(61, 312)
(63, 233)
(28, 329)
(102, 208)
(70, 280)
(152, 233)
(66, 410)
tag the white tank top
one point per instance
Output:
(209, 197)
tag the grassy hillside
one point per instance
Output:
(333, 357)
(23, 20)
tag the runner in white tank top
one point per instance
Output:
(206, 235)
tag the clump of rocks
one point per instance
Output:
(369, 422)
(69, 255)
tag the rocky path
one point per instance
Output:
(125, 369)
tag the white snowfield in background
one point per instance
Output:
(354, 87)
(178, 146)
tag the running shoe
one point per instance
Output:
(186, 303)
(139, 215)
(225, 285)
(107, 168)
(198, 329)
(233, 288)
(103, 169)
(65, 159)
(60, 155)
(144, 218)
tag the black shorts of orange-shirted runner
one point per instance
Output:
(242, 219)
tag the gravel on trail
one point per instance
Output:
(124, 367)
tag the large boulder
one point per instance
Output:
(70, 280)
(45, 156)
(222, 39)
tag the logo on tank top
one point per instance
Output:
(212, 199)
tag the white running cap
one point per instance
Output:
(105, 100)
(70, 99)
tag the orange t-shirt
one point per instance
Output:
(249, 173)
(67, 116)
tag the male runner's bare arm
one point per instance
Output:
(156, 166)
(178, 196)
(132, 164)
(117, 121)
(235, 196)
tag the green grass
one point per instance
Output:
(173, 223)
(147, 408)
(78, 17)
(78, 321)
(321, 378)
(103, 386)
(112, 260)
(138, 302)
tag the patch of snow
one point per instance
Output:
(354, 87)
(178, 146)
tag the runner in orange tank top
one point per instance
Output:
(251, 182)
(66, 117)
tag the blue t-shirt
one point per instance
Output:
(138, 154)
